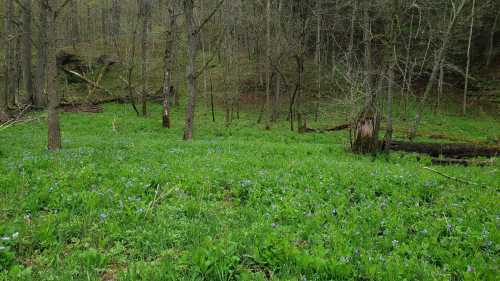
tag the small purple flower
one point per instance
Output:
(395, 243)
(449, 227)
(274, 225)
(103, 216)
(470, 268)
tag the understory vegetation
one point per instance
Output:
(125, 200)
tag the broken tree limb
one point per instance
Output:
(450, 177)
(449, 150)
(88, 108)
(88, 81)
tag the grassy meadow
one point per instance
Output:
(127, 200)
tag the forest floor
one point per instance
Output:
(127, 200)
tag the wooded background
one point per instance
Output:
(291, 59)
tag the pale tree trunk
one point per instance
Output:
(467, 68)
(440, 86)
(41, 64)
(54, 131)
(192, 35)
(146, 16)
(390, 87)
(27, 52)
(168, 60)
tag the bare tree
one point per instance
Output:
(146, 17)
(193, 35)
(75, 30)
(492, 37)
(54, 132)
(116, 18)
(467, 68)
(27, 52)
(438, 58)
(10, 54)
(168, 64)
(41, 62)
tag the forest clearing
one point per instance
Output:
(249, 140)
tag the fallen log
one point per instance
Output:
(448, 150)
(88, 108)
(464, 162)
(333, 129)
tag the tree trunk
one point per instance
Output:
(145, 15)
(75, 31)
(27, 52)
(467, 68)
(367, 123)
(440, 86)
(41, 62)
(54, 131)
(268, 63)
(116, 18)
(318, 57)
(192, 35)
(390, 87)
(492, 39)
(11, 72)
(167, 77)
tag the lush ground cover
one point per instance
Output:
(127, 200)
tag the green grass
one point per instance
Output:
(237, 203)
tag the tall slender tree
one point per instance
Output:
(168, 64)
(146, 17)
(27, 53)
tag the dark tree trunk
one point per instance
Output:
(54, 131)
(39, 100)
(11, 71)
(146, 16)
(367, 125)
(27, 52)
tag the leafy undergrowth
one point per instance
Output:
(127, 200)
